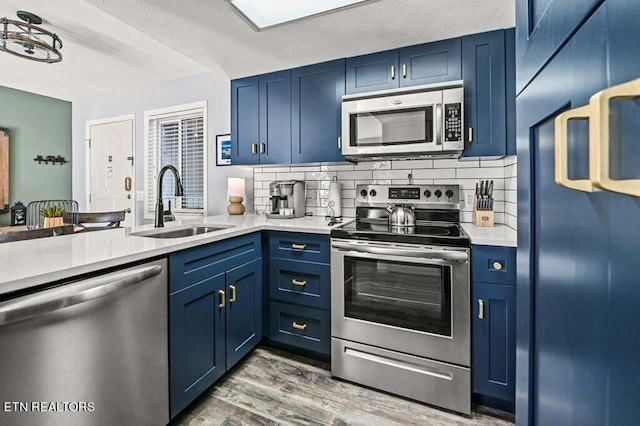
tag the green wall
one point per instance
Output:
(37, 125)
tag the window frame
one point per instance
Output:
(177, 113)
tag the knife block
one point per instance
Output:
(482, 218)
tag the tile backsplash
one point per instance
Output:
(445, 171)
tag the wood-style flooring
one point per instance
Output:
(271, 387)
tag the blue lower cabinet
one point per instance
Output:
(494, 345)
(243, 310)
(215, 318)
(196, 340)
(301, 327)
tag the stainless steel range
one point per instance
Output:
(400, 295)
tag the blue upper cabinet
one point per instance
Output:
(316, 105)
(245, 130)
(510, 67)
(431, 63)
(378, 71)
(261, 119)
(484, 72)
(275, 118)
(543, 27)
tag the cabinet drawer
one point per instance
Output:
(494, 264)
(300, 282)
(196, 265)
(296, 246)
(305, 328)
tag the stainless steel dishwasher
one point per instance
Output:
(90, 352)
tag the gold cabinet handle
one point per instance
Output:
(254, 148)
(339, 142)
(299, 283)
(233, 293)
(480, 309)
(562, 149)
(404, 70)
(299, 326)
(298, 246)
(127, 184)
(263, 148)
(393, 72)
(599, 166)
(470, 135)
(222, 299)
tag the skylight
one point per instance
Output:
(268, 13)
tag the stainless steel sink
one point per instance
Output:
(180, 232)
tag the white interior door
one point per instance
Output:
(111, 168)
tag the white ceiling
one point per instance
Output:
(120, 48)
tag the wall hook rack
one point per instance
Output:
(53, 159)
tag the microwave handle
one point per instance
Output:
(439, 124)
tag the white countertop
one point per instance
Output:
(25, 264)
(499, 235)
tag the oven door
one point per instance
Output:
(382, 126)
(406, 298)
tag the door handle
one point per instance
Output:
(222, 301)
(299, 326)
(600, 139)
(62, 297)
(233, 293)
(127, 184)
(404, 70)
(263, 148)
(393, 72)
(562, 149)
(480, 309)
(439, 125)
(254, 148)
(299, 283)
(339, 142)
(470, 134)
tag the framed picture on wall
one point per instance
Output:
(223, 150)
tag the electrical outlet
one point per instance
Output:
(469, 199)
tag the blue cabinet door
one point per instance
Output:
(543, 27)
(431, 63)
(244, 121)
(566, 308)
(494, 341)
(377, 71)
(510, 84)
(485, 94)
(243, 310)
(316, 105)
(275, 118)
(196, 341)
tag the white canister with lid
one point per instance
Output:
(334, 207)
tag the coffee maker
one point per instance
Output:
(286, 199)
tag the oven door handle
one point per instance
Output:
(450, 255)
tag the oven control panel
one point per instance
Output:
(434, 196)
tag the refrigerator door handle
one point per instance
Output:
(562, 149)
(599, 129)
(58, 298)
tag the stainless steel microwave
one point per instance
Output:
(416, 122)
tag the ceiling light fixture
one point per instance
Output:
(261, 14)
(27, 40)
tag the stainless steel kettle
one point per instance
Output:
(401, 215)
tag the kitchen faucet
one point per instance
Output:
(179, 193)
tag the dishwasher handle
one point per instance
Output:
(55, 299)
(449, 255)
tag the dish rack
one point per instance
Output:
(35, 219)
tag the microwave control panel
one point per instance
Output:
(453, 122)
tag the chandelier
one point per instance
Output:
(26, 40)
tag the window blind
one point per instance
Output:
(177, 139)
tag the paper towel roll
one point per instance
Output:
(334, 207)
